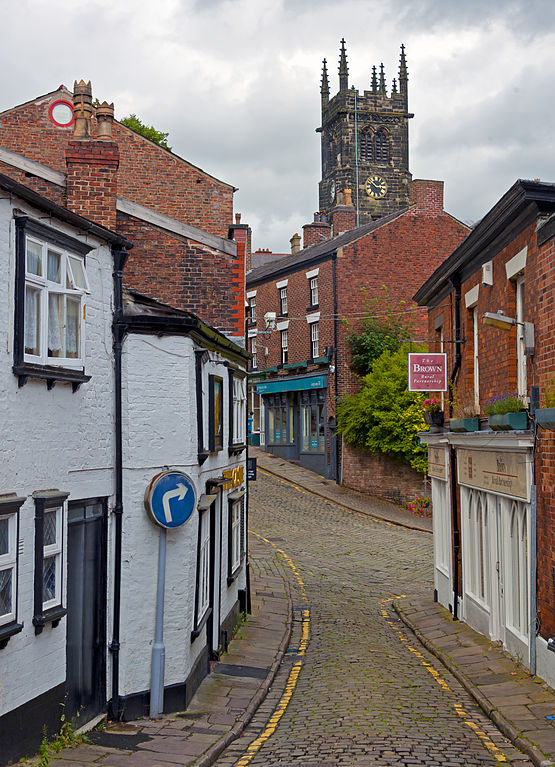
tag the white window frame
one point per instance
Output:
(54, 550)
(314, 340)
(284, 345)
(46, 288)
(252, 305)
(204, 565)
(239, 409)
(521, 374)
(283, 301)
(518, 580)
(314, 291)
(8, 561)
(253, 350)
(236, 524)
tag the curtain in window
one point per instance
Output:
(55, 321)
(32, 313)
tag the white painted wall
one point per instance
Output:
(50, 439)
(160, 432)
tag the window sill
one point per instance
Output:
(312, 307)
(51, 374)
(8, 631)
(196, 631)
(233, 577)
(53, 616)
(236, 449)
(202, 456)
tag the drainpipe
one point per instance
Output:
(338, 478)
(118, 329)
(533, 589)
(453, 453)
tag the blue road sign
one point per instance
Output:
(170, 498)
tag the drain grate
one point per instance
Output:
(235, 670)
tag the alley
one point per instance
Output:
(367, 692)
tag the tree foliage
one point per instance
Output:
(383, 328)
(148, 131)
(384, 417)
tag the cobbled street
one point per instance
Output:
(367, 692)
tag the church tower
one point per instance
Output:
(365, 142)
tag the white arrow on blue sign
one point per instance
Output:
(170, 498)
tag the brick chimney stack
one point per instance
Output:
(92, 163)
(343, 216)
(317, 231)
(426, 195)
(241, 235)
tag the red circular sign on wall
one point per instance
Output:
(61, 113)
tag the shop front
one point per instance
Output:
(294, 416)
(496, 524)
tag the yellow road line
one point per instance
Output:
(291, 683)
(496, 752)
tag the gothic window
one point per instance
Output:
(366, 149)
(381, 146)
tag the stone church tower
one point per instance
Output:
(365, 143)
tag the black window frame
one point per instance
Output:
(206, 505)
(25, 226)
(47, 500)
(10, 505)
(232, 499)
(215, 442)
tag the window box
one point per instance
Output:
(295, 365)
(321, 360)
(545, 417)
(434, 417)
(509, 421)
(464, 424)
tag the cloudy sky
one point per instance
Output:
(236, 84)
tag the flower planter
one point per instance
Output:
(509, 421)
(464, 424)
(434, 417)
(545, 416)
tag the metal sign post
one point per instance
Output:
(169, 500)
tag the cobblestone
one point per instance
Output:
(368, 694)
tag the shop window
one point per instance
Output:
(50, 304)
(279, 430)
(478, 531)
(216, 413)
(204, 576)
(236, 521)
(284, 346)
(49, 536)
(518, 580)
(9, 534)
(283, 301)
(313, 292)
(313, 429)
(314, 342)
(238, 386)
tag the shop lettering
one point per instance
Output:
(427, 368)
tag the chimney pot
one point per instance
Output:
(105, 120)
(82, 109)
(237, 218)
(295, 243)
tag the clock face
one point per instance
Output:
(332, 190)
(376, 187)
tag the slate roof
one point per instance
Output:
(317, 252)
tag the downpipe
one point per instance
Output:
(453, 453)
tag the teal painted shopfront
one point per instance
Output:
(295, 420)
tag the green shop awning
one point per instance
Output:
(291, 384)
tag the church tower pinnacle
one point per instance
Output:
(365, 142)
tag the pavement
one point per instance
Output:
(243, 691)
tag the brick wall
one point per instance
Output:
(47, 189)
(91, 184)
(180, 272)
(148, 174)
(382, 476)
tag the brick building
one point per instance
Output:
(493, 490)
(375, 227)
(187, 249)
(105, 388)
(301, 367)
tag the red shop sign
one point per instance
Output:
(427, 372)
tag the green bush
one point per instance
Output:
(384, 417)
(148, 131)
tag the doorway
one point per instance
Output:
(86, 609)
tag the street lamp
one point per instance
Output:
(502, 322)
